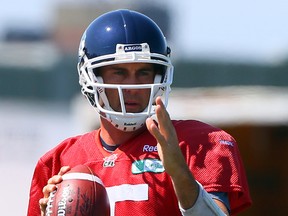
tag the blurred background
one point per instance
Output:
(231, 70)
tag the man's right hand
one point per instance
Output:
(51, 186)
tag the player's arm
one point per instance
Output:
(51, 186)
(190, 194)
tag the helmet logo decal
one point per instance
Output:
(133, 48)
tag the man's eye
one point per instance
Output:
(146, 73)
(118, 72)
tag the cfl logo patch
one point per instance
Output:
(110, 161)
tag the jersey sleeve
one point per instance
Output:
(214, 159)
(70, 152)
(40, 177)
(226, 165)
(47, 166)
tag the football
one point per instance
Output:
(80, 193)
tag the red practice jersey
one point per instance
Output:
(134, 176)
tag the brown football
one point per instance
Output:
(80, 193)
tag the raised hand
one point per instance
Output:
(171, 156)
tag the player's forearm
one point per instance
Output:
(192, 197)
(186, 188)
(204, 206)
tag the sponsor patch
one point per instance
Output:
(147, 165)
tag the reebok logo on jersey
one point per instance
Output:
(226, 142)
(147, 165)
(148, 148)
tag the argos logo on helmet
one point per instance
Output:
(133, 48)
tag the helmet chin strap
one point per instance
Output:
(127, 124)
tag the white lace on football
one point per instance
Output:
(82, 176)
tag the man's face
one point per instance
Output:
(136, 100)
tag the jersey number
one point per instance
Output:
(124, 192)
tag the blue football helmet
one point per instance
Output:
(123, 36)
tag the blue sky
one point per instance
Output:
(246, 30)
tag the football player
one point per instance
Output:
(150, 164)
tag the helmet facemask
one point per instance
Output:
(95, 90)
